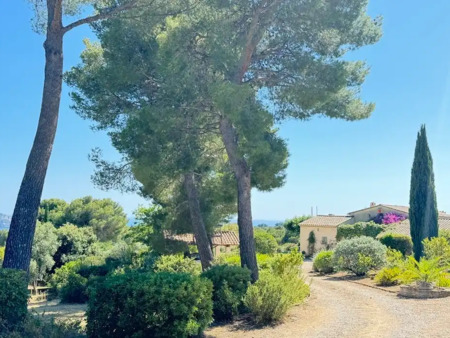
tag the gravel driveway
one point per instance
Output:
(340, 308)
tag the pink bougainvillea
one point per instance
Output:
(392, 217)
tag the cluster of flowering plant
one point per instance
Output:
(388, 218)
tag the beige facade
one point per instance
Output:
(325, 237)
(324, 229)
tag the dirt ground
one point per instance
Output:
(349, 307)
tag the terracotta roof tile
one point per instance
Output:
(219, 238)
(403, 227)
(326, 220)
(401, 208)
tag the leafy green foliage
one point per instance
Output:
(54, 211)
(3, 237)
(45, 245)
(438, 248)
(388, 276)
(2, 254)
(323, 262)
(104, 216)
(13, 298)
(359, 255)
(293, 229)
(38, 327)
(229, 286)
(76, 243)
(272, 295)
(369, 229)
(149, 305)
(74, 290)
(398, 242)
(423, 213)
(426, 270)
(445, 233)
(265, 243)
(177, 263)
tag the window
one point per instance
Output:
(324, 240)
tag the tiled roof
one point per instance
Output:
(401, 208)
(326, 220)
(219, 238)
(403, 227)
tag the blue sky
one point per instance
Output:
(335, 165)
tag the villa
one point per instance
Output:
(325, 227)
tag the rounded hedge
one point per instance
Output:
(13, 298)
(402, 243)
(323, 262)
(149, 305)
(230, 284)
(359, 255)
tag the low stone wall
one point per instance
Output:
(415, 291)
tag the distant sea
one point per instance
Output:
(131, 221)
(4, 221)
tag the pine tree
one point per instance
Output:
(423, 213)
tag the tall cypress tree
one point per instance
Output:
(423, 213)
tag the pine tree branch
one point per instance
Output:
(104, 14)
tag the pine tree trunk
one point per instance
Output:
(23, 222)
(198, 225)
(243, 178)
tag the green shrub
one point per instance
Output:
(37, 327)
(74, 290)
(2, 254)
(271, 296)
(61, 275)
(323, 262)
(388, 276)
(368, 229)
(437, 247)
(13, 298)
(426, 270)
(265, 243)
(287, 247)
(359, 255)
(234, 259)
(149, 305)
(445, 233)
(286, 264)
(398, 242)
(230, 284)
(177, 263)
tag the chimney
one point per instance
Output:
(372, 204)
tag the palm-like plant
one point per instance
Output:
(426, 270)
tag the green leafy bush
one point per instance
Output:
(388, 276)
(177, 263)
(74, 290)
(359, 255)
(279, 287)
(149, 305)
(13, 298)
(437, 247)
(230, 284)
(37, 327)
(398, 242)
(265, 243)
(271, 296)
(368, 229)
(61, 275)
(426, 270)
(286, 264)
(445, 233)
(323, 262)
